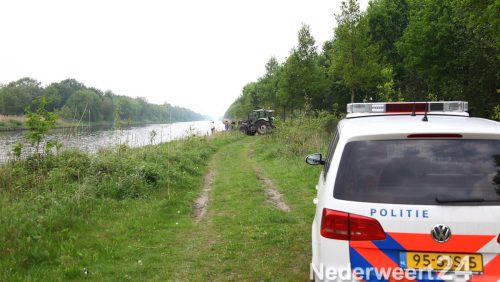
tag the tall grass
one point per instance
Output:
(17, 122)
(11, 121)
(303, 134)
(4, 118)
(46, 206)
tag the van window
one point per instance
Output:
(419, 171)
(331, 150)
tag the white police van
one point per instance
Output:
(409, 191)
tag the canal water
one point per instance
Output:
(91, 139)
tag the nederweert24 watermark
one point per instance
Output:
(370, 273)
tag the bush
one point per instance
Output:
(305, 134)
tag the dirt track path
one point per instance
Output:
(273, 195)
(238, 221)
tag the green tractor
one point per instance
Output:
(259, 121)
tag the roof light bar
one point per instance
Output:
(408, 107)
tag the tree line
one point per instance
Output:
(74, 101)
(398, 50)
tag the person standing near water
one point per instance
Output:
(212, 127)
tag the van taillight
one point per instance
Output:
(345, 226)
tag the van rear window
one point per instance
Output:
(420, 171)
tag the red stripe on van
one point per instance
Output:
(457, 243)
(491, 271)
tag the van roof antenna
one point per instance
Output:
(425, 114)
(413, 113)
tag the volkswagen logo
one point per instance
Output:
(441, 233)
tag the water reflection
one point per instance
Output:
(93, 139)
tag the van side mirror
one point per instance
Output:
(315, 159)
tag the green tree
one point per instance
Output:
(354, 59)
(107, 107)
(268, 85)
(397, 50)
(386, 89)
(301, 75)
(39, 123)
(74, 101)
(336, 92)
(83, 105)
(19, 94)
(65, 89)
(387, 21)
(453, 46)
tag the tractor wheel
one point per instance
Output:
(251, 130)
(243, 129)
(262, 127)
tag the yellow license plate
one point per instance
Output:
(442, 261)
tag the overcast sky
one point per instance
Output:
(196, 54)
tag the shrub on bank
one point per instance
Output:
(114, 173)
(303, 134)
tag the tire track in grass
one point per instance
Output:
(201, 204)
(273, 195)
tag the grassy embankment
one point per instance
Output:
(11, 122)
(126, 214)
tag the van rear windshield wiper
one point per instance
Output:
(449, 200)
